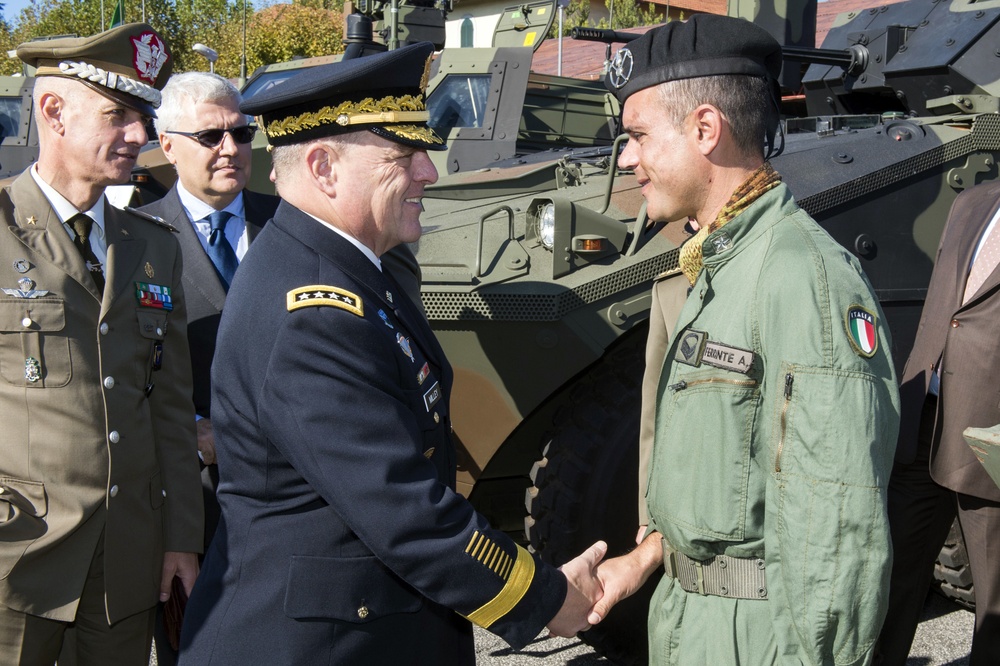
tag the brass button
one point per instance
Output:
(437, 418)
(954, 323)
(363, 612)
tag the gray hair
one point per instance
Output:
(191, 88)
(745, 101)
(285, 159)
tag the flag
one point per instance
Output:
(118, 18)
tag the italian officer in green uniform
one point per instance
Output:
(776, 408)
(100, 500)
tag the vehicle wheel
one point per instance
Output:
(585, 488)
(952, 574)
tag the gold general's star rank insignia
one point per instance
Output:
(318, 295)
(32, 220)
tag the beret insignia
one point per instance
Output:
(318, 295)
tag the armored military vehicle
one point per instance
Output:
(536, 272)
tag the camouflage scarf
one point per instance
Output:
(760, 181)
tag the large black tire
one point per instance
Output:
(952, 574)
(585, 488)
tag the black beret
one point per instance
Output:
(382, 93)
(129, 64)
(704, 45)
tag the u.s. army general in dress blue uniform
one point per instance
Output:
(342, 540)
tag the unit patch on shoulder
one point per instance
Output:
(318, 295)
(861, 330)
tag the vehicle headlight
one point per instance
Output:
(547, 225)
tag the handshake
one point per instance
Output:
(595, 585)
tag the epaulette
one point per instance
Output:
(319, 295)
(670, 272)
(152, 218)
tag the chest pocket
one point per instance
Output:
(149, 350)
(700, 475)
(34, 350)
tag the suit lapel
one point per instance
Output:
(41, 231)
(978, 218)
(200, 275)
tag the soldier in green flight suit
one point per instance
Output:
(776, 410)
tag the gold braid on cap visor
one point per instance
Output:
(389, 109)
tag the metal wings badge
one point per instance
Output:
(26, 289)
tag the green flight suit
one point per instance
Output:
(777, 415)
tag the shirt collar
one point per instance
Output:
(197, 209)
(365, 250)
(63, 208)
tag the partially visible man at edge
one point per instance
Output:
(777, 407)
(205, 136)
(342, 538)
(99, 498)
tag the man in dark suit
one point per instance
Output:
(99, 501)
(207, 139)
(949, 384)
(342, 539)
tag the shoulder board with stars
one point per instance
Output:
(318, 295)
(152, 218)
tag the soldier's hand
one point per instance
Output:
(206, 441)
(182, 565)
(621, 577)
(583, 590)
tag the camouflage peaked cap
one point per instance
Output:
(129, 64)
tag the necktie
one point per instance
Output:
(220, 251)
(985, 263)
(81, 226)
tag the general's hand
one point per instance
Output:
(621, 577)
(182, 565)
(206, 441)
(583, 590)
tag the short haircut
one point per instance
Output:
(746, 101)
(286, 158)
(190, 88)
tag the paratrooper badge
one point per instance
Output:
(862, 331)
(404, 344)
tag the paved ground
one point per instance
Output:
(942, 639)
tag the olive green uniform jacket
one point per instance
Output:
(86, 449)
(785, 458)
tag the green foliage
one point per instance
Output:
(281, 32)
(627, 14)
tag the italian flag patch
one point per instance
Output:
(861, 331)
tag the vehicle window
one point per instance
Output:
(459, 101)
(10, 116)
(267, 81)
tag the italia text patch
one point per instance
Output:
(318, 295)
(861, 330)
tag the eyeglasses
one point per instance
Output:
(210, 138)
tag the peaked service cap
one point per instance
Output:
(382, 93)
(703, 45)
(129, 64)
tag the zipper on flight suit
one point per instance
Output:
(681, 385)
(789, 378)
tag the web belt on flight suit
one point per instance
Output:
(721, 576)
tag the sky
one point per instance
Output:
(11, 9)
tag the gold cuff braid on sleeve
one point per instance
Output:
(515, 589)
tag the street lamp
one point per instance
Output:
(209, 54)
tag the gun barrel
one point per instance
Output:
(844, 58)
(603, 36)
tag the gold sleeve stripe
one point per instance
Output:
(515, 589)
(472, 541)
(507, 566)
(484, 557)
(503, 566)
(493, 559)
(480, 546)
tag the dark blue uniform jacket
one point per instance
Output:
(342, 539)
